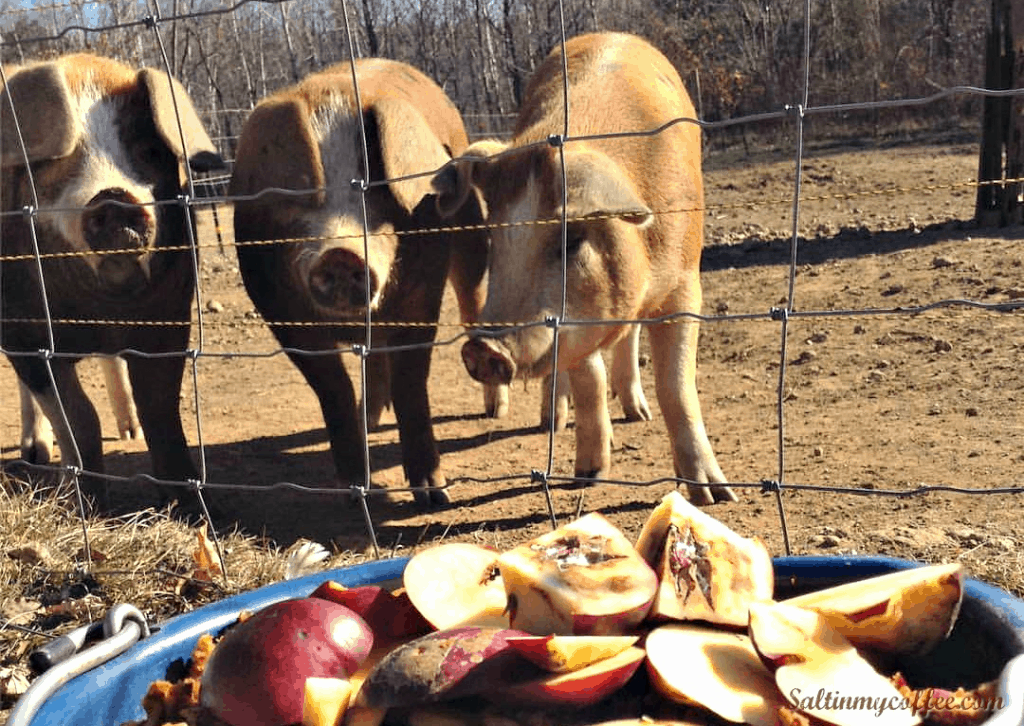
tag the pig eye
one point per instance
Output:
(573, 241)
(149, 153)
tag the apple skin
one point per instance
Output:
(390, 616)
(563, 653)
(443, 665)
(257, 673)
(574, 689)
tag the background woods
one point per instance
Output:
(738, 56)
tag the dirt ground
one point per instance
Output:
(873, 403)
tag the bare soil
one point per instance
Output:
(875, 403)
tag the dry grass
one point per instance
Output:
(145, 559)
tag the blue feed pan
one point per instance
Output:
(989, 632)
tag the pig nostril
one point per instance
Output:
(339, 280)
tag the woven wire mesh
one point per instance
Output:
(151, 28)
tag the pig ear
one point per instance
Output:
(277, 149)
(408, 145)
(170, 102)
(42, 102)
(598, 187)
(454, 182)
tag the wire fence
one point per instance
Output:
(209, 193)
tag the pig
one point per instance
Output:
(632, 242)
(97, 179)
(307, 138)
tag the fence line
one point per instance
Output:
(362, 491)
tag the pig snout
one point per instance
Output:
(338, 280)
(115, 221)
(116, 224)
(488, 361)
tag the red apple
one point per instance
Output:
(904, 612)
(457, 584)
(445, 664)
(391, 616)
(563, 653)
(578, 688)
(706, 571)
(256, 674)
(715, 669)
(820, 672)
(584, 578)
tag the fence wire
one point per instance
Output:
(210, 192)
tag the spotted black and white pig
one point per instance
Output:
(104, 148)
(633, 243)
(320, 275)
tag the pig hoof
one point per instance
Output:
(430, 497)
(636, 409)
(36, 452)
(702, 496)
(724, 494)
(589, 474)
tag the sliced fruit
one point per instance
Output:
(562, 653)
(706, 571)
(445, 664)
(455, 585)
(324, 701)
(584, 578)
(578, 688)
(714, 669)
(903, 612)
(256, 675)
(820, 672)
(391, 616)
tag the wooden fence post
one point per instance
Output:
(1002, 142)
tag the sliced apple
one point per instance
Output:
(820, 672)
(563, 653)
(391, 616)
(706, 571)
(445, 664)
(576, 689)
(715, 669)
(455, 585)
(584, 578)
(324, 701)
(902, 612)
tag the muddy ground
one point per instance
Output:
(873, 403)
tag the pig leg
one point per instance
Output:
(626, 377)
(327, 376)
(593, 424)
(674, 354)
(420, 458)
(119, 391)
(83, 430)
(36, 431)
(378, 389)
(562, 389)
(156, 383)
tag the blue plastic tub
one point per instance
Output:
(989, 632)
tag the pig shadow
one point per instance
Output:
(296, 494)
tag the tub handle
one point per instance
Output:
(64, 659)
